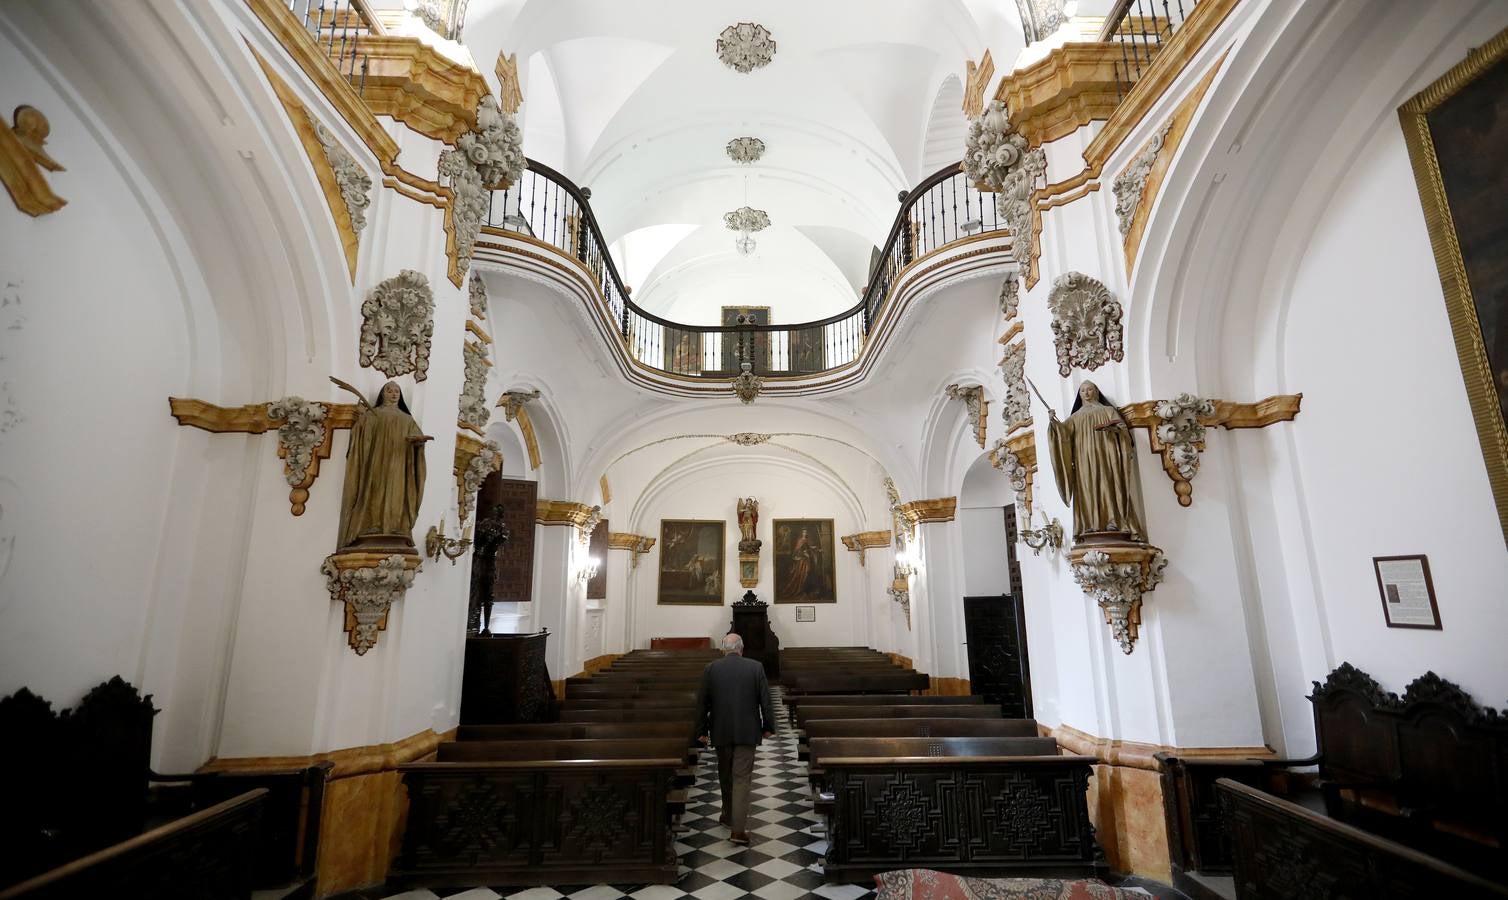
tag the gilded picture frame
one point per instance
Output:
(693, 553)
(1484, 68)
(805, 561)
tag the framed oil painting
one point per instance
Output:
(683, 351)
(804, 561)
(1457, 135)
(691, 562)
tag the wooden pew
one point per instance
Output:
(647, 714)
(806, 714)
(792, 703)
(988, 815)
(640, 702)
(537, 822)
(558, 731)
(582, 749)
(1281, 850)
(914, 728)
(591, 692)
(823, 749)
(220, 843)
(844, 682)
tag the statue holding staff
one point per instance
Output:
(1094, 465)
(384, 474)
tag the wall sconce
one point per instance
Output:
(904, 567)
(437, 544)
(1049, 536)
(589, 571)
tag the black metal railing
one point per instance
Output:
(338, 26)
(1141, 27)
(945, 208)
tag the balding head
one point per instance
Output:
(732, 644)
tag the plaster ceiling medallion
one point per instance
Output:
(745, 47)
(745, 150)
(747, 219)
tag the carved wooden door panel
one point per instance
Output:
(513, 579)
(995, 628)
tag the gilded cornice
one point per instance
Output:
(315, 63)
(481, 335)
(607, 491)
(303, 125)
(625, 540)
(922, 512)
(1228, 413)
(1071, 86)
(22, 161)
(467, 447)
(562, 512)
(1179, 440)
(425, 90)
(866, 540)
(531, 443)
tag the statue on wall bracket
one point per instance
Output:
(748, 543)
(1094, 464)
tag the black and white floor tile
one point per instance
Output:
(783, 863)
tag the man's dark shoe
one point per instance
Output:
(723, 819)
(739, 837)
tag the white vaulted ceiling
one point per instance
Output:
(646, 109)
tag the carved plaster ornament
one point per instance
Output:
(1013, 202)
(1016, 411)
(992, 147)
(513, 401)
(487, 158)
(748, 438)
(22, 161)
(476, 293)
(747, 385)
(1009, 464)
(745, 47)
(355, 184)
(974, 403)
(489, 459)
(747, 219)
(900, 526)
(745, 150)
(397, 321)
(900, 592)
(1116, 578)
(1040, 18)
(1130, 183)
(589, 524)
(1181, 434)
(474, 412)
(1086, 323)
(367, 585)
(1010, 296)
(302, 432)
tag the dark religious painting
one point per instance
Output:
(804, 561)
(596, 588)
(807, 350)
(683, 351)
(1457, 135)
(513, 579)
(755, 344)
(691, 561)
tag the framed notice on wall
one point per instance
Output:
(1408, 592)
(806, 614)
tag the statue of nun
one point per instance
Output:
(384, 474)
(1094, 464)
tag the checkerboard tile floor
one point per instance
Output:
(783, 863)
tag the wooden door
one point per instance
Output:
(513, 577)
(995, 628)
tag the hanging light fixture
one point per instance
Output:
(745, 244)
(746, 220)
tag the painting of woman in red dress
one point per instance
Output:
(804, 561)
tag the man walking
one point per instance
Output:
(733, 707)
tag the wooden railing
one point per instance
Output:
(944, 209)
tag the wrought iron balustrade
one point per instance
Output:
(1141, 27)
(943, 210)
(338, 26)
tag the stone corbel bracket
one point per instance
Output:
(923, 512)
(367, 585)
(637, 544)
(1115, 576)
(305, 429)
(978, 408)
(865, 540)
(1016, 458)
(568, 512)
(512, 404)
(474, 461)
(22, 161)
(1177, 428)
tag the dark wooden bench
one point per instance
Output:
(680, 643)
(647, 714)
(1429, 770)
(537, 823)
(558, 731)
(1282, 850)
(577, 748)
(792, 703)
(823, 749)
(985, 815)
(857, 683)
(914, 728)
(807, 713)
(631, 690)
(640, 702)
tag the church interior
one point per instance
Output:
(454, 375)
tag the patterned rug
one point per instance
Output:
(925, 884)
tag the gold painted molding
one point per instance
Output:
(303, 125)
(481, 335)
(562, 512)
(1228, 414)
(467, 448)
(22, 160)
(607, 491)
(348, 762)
(1071, 86)
(866, 540)
(414, 83)
(923, 512)
(510, 94)
(1460, 305)
(638, 544)
(531, 443)
(1024, 445)
(253, 419)
(1016, 328)
(977, 82)
(1182, 116)
(1135, 754)
(315, 63)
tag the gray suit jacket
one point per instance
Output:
(733, 702)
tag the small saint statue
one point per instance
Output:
(1094, 464)
(748, 524)
(490, 536)
(384, 474)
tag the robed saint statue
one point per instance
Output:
(384, 474)
(1094, 464)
